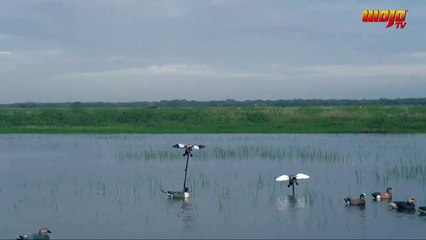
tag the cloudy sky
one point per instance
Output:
(119, 51)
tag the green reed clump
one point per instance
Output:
(278, 153)
(407, 172)
(148, 154)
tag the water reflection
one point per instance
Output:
(407, 211)
(185, 212)
(355, 207)
(291, 202)
(187, 215)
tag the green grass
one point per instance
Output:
(346, 119)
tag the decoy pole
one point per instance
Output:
(293, 188)
(186, 170)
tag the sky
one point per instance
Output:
(129, 50)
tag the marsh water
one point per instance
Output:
(108, 186)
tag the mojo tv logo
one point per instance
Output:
(392, 17)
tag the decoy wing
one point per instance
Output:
(196, 147)
(282, 178)
(179, 145)
(301, 176)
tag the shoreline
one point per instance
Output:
(216, 120)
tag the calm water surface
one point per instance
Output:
(108, 186)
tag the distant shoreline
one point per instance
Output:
(223, 103)
(307, 119)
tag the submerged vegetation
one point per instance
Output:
(306, 119)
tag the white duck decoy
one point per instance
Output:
(41, 235)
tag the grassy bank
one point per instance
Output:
(342, 119)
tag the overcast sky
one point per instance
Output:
(119, 51)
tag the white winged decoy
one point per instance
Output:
(292, 179)
(42, 235)
(188, 148)
(188, 153)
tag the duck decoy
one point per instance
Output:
(404, 205)
(356, 201)
(383, 195)
(177, 194)
(188, 148)
(42, 235)
(292, 179)
(188, 153)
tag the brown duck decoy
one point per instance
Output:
(356, 201)
(383, 195)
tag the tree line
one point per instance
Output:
(222, 103)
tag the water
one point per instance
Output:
(108, 186)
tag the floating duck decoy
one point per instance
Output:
(292, 179)
(383, 195)
(356, 201)
(42, 234)
(188, 153)
(177, 194)
(404, 205)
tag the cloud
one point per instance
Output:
(251, 75)
(391, 70)
(418, 54)
(5, 53)
(172, 70)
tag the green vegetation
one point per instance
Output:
(314, 119)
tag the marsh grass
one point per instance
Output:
(341, 119)
(241, 152)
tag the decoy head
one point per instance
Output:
(44, 230)
(362, 196)
(389, 189)
(411, 200)
(186, 189)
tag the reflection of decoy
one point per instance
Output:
(42, 234)
(291, 202)
(404, 205)
(292, 179)
(187, 215)
(177, 194)
(383, 195)
(188, 148)
(356, 201)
